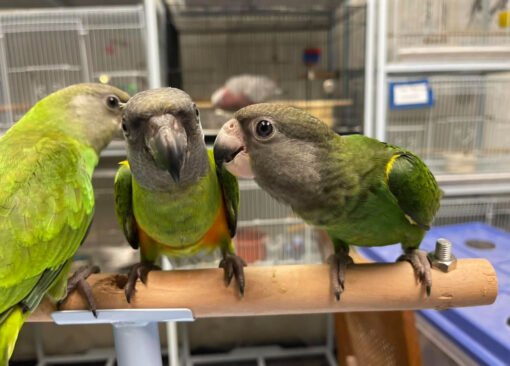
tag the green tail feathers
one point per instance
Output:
(9, 330)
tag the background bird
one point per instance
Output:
(242, 90)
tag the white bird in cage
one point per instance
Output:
(242, 90)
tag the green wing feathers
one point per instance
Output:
(414, 187)
(9, 331)
(46, 206)
(123, 193)
(230, 190)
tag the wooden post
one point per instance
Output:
(373, 338)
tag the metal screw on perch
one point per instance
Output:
(442, 258)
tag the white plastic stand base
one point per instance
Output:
(135, 330)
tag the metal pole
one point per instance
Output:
(152, 40)
(380, 111)
(5, 79)
(330, 339)
(171, 327)
(83, 34)
(137, 344)
(308, 243)
(368, 123)
(172, 339)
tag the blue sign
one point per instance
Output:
(411, 94)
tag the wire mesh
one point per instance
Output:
(493, 210)
(45, 50)
(464, 131)
(448, 29)
(269, 233)
(349, 57)
(219, 43)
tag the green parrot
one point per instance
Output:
(169, 197)
(359, 190)
(46, 202)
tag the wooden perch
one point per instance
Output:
(294, 289)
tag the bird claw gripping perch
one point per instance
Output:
(339, 263)
(78, 281)
(233, 265)
(421, 265)
(138, 271)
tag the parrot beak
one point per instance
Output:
(166, 141)
(230, 150)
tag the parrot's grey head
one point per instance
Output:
(164, 138)
(280, 146)
(92, 112)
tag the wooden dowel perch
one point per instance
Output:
(293, 289)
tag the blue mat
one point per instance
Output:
(481, 331)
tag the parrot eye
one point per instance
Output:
(197, 112)
(112, 102)
(264, 128)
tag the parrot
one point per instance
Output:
(47, 201)
(170, 198)
(242, 90)
(359, 190)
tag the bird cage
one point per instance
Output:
(269, 233)
(464, 130)
(492, 210)
(349, 56)
(448, 29)
(47, 49)
(294, 44)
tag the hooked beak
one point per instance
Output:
(119, 134)
(230, 150)
(167, 143)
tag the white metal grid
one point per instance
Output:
(215, 48)
(465, 131)
(349, 33)
(217, 44)
(447, 29)
(493, 210)
(269, 233)
(45, 50)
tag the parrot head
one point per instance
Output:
(164, 136)
(280, 146)
(90, 112)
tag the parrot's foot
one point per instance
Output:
(339, 263)
(233, 265)
(421, 266)
(138, 271)
(78, 281)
